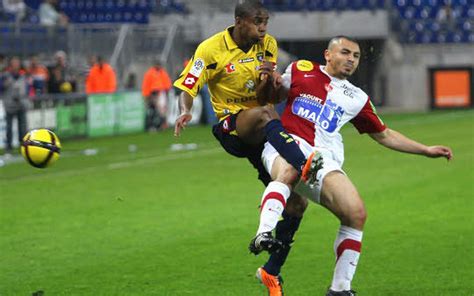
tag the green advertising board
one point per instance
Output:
(118, 113)
(131, 112)
(71, 118)
(100, 115)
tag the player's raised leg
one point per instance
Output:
(284, 232)
(340, 196)
(262, 123)
(272, 205)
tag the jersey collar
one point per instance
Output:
(229, 42)
(321, 67)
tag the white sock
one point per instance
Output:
(347, 249)
(272, 205)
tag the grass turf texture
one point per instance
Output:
(162, 222)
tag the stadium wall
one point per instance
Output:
(400, 78)
(405, 71)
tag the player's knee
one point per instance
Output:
(358, 216)
(288, 175)
(267, 113)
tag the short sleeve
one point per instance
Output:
(367, 121)
(271, 50)
(194, 76)
(286, 77)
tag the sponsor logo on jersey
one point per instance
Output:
(304, 66)
(325, 116)
(246, 60)
(348, 91)
(229, 68)
(226, 125)
(240, 100)
(260, 56)
(308, 75)
(190, 81)
(197, 67)
(306, 108)
(309, 96)
(330, 116)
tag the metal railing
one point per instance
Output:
(125, 46)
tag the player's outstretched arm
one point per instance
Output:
(185, 105)
(397, 141)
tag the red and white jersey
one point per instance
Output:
(319, 105)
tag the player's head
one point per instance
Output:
(342, 56)
(251, 19)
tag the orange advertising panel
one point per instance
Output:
(451, 88)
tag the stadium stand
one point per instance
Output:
(433, 21)
(323, 5)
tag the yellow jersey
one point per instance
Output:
(230, 73)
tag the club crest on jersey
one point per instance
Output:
(250, 85)
(230, 68)
(304, 66)
(197, 67)
(190, 81)
(260, 56)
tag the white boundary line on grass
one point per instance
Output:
(121, 165)
(162, 158)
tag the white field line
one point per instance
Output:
(162, 158)
(124, 164)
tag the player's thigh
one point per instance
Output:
(339, 195)
(251, 122)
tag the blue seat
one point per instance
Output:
(117, 17)
(409, 12)
(83, 17)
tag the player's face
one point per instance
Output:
(254, 27)
(342, 58)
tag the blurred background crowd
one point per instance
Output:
(56, 53)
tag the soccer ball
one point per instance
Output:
(41, 148)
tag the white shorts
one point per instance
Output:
(269, 155)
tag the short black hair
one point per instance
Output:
(336, 39)
(245, 8)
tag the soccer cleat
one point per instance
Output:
(341, 293)
(272, 282)
(311, 168)
(264, 242)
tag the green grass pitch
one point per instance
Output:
(163, 222)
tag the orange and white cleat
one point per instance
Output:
(272, 282)
(311, 168)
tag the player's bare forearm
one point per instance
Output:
(265, 90)
(397, 141)
(271, 90)
(185, 102)
(185, 105)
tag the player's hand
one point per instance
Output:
(277, 80)
(181, 123)
(266, 70)
(439, 151)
